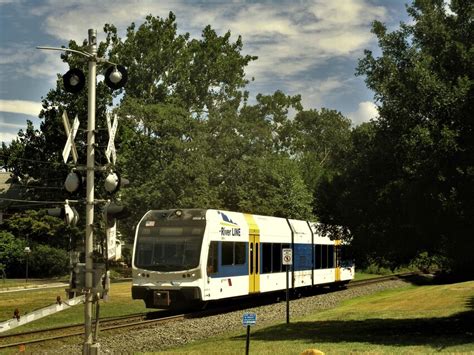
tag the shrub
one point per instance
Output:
(46, 261)
(12, 254)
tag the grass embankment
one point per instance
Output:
(415, 319)
(365, 276)
(120, 303)
(7, 284)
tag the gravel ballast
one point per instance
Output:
(176, 333)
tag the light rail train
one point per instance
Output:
(184, 257)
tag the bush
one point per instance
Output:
(430, 263)
(46, 261)
(12, 255)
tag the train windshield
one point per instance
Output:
(169, 245)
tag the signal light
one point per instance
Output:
(113, 182)
(73, 182)
(74, 80)
(116, 77)
(68, 213)
(114, 211)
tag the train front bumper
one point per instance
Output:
(156, 297)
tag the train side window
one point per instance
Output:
(212, 261)
(317, 256)
(266, 258)
(276, 259)
(227, 253)
(240, 253)
(324, 256)
(331, 256)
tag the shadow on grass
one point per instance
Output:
(441, 279)
(437, 333)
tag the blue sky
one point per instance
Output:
(304, 47)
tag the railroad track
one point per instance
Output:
(143, 319)
(42, 335)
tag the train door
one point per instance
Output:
(253, 254)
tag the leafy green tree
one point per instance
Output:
(320, 141)
(250, 150)
(187, 135)
(411, 179)
(164, 67)
(36, 227)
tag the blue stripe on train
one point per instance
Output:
(302, 257)
(302, 260)
(231, 270)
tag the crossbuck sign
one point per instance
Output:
(70, 134)
(112, 128)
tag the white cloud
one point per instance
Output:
(317, 91)
(71, 20)
(7, 138)
(291, 38)
(11, 126)
(366, 111)
(288, 37)
(25, 60)
(19, 106)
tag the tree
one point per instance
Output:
(166, 67)
(416, 176)
(320, 140)
(187, 135)
(36, 227)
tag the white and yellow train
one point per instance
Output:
(185, 257)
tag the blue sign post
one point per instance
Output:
(248, 319)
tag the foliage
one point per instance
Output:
(399, 186)
(46, 261)
(36, 227)
(165, 67)
(407, 185)
(12, 254)
(320, 140)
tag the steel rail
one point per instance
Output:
(76, 325)
(106, 328)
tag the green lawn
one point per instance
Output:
(364, 276)
(9, 283)
(415, 319)
(120, 303)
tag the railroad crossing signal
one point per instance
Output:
(112, 128)
(287, 257)
(71, 135)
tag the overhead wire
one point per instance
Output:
(31, 201)
(30, 160)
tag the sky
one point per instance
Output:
(309, 47)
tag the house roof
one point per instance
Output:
(8, 189)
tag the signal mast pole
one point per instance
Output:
(89, 347)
